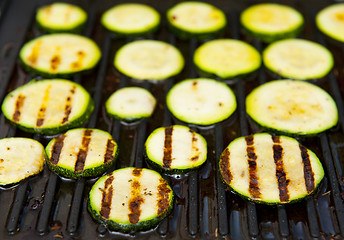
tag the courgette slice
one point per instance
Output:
(130, 104)
(298, 59)
(196, 19)
(131, 19)
(330, 21)
(226, 58)
(176, 149)
(149, 60)
(61, 17)
(81, 152)
(201, 101)
(292, 108)
(270, 169)
(271, 21)
(59, 55)
(48, 106)
(130, 199)
(20, 158)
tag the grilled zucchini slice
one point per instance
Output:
(196, 19)
(330, 21)
(226, 58)
(81, 152)
(201, 101)
(298, 59)
(149, 60)
(131, 19)
(130, 199)
(271, 21)
(48, 106)
(61, 17)
(130, 104)
(292, 107)
(59, 55)
(176, 149)
(20, 158)
(270, 169)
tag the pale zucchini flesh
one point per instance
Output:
(60, 54)
(292, 107)
(20, 158)
(201, 101)
(149, 60)
(130, 199)
(176, 149)
(48, 106)
(226, 58)
(270, 169)
(298, 59)
(131, 103)
(131, 19)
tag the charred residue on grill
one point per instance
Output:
(252, 167)
(195, 149)
(167, 159)
(82, 154)
(110, 146)
(307, 169)
(43, 108)
(56, 149)
(68, 107)
(107, 194)
(225, 166)
(78, 63)
(163, 196)
(18, 105)
(136, 199)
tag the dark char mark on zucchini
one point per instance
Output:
(168, 147)
(252, 167)
(56, 149)
(194, 147)
(68, 107)
(163, 196)
(280, 173)
(82, 154)
(225, 166)
(43, 108)
(55, 62)
(107, 197)
(110, 146)
(136, 199)
(18, 105)
(307, 169)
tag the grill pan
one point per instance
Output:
(49, 207)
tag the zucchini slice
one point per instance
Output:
(298, 59)
(48, 106)
(131, 19)
(176, 149)
(61, 17)
(271, 21)
(149, 60)
(130, 199)
(196, 19)
(20, 158)
(226, 58)
(330, 21)
(59, 55)
(292, 107)
(201, 101)
(270, 169)
(130, 104)
(81, 152)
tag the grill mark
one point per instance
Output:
(307, 169)
(163, 201)
(18, 105)
(67, 14)
(56, 149)
(225, 166)
(137, 172)
(194, 148)
(252, 167)
(82, 154)
(167, 159)
(55, 62)
(136, 199)
(68, 107)
(35, 53)
(43, 108)
(107, 194)
(280, 173)
(110, 146)
(78, 63)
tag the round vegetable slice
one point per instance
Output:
(176, 149)
(201, 101)
(130, 199)
(81, 152)
(61, 17)
(131, 19)
(298, 59)
(60, 54)
(149, 60)
(196, 19)
(292, 107)
(270, 169)
(20, 158)
(226, 58)
(131, 103)
(330, 21)
(271, 21)
(48, 106)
